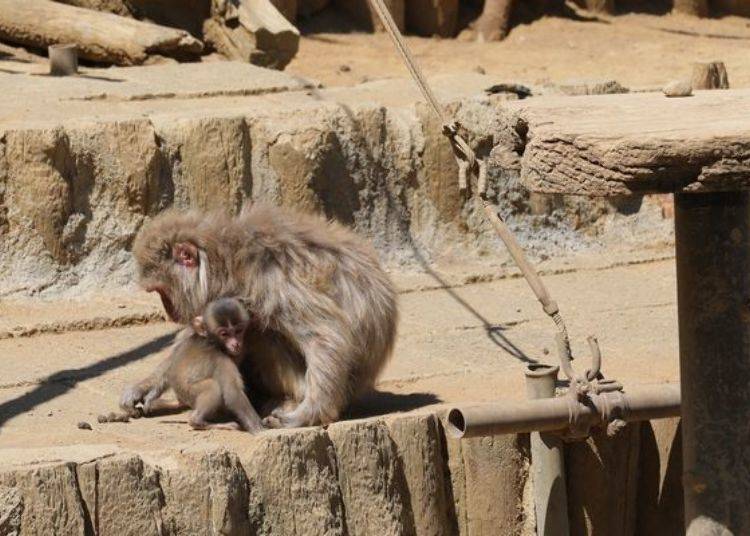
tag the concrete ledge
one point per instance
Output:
(394, 476)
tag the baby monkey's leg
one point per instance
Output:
(235, 399)
(208, 403)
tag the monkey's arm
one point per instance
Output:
(146, 391)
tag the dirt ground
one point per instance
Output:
(463, 344)
(637, 50)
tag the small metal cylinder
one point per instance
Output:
(63, 60)
(547, 462)
(712, 235)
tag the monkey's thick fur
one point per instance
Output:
(325, 312)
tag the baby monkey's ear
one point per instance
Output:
(199, 326)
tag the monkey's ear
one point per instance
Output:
(199, 326)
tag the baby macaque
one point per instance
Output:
(203, 370)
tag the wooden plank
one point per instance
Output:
(639, 143)
(100, 37)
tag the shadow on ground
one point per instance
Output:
(383, 402)
(61, 382)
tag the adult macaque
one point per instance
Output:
(203, 371)
(324, 310)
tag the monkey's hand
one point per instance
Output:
(135, 400)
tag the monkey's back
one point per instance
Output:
(326, 258)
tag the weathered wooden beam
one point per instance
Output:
(118, 7)
(638, 143)
(100, 37)
(252, 30)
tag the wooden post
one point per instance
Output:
(697, 8)
(710, 75)
(494, 22)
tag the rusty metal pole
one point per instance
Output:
(712, 235)
(547, 463)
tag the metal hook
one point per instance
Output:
(563, 351)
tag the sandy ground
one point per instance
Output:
(636, 50)
(464, 344)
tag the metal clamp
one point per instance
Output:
(466, 158)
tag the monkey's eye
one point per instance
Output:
(223, 333)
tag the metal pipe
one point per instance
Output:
(547, 463)
(546, 415)
(63, 60)
(712, 235)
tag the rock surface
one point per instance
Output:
(81, 173)
(363, 477)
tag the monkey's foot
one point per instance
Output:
(299, 417)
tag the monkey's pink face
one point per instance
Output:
(176, 279)
(231, 338)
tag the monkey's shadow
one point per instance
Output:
(377, 403)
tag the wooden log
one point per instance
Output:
(118, 7)
(186, 15)
(100, 37)
(432, 17)
(710, 75)
(363, 13)
(696, 8)
(494, 22)
(253, 31)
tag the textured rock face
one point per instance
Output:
(78, 182)
(398, 475)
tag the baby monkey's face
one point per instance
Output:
(224, 322)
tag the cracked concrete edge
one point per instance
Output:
(392, 475)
